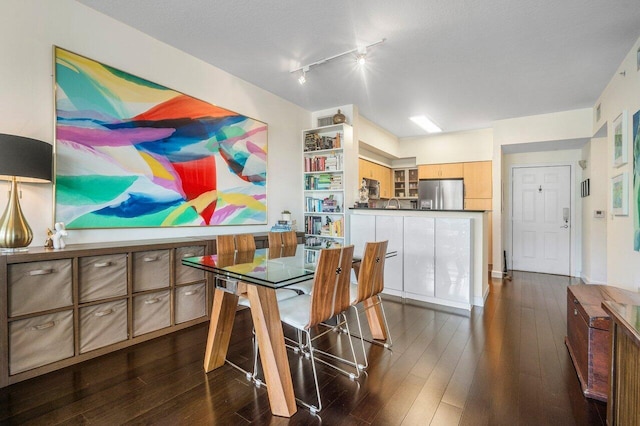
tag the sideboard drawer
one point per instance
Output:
(150, 270)
(187, 274)
(102, 325)
(151, 312)
(101, 277)
(39, 286)
(190, 302)
(41, 340)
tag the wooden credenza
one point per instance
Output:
(623, 407)
(588, 334)
(61, 307)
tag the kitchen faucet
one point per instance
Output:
(397, 206)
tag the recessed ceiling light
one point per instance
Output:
(428, 125)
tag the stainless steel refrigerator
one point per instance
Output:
(441, 194)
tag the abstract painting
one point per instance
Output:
(636, 180)
(133, 153)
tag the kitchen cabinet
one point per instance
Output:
(405, 183)
(419, 256)
(477, 179)
(441, 171)
(453, 259)
(370, 170)
(380, 228)
(391, 228)
(434, 261)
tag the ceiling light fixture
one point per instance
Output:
(428, 125)
(303, 77)
(360, 58)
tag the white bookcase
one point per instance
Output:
(329, 186)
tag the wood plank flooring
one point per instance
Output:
(505, 364)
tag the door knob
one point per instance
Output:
(564, 226)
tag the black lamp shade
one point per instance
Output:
(25, 158)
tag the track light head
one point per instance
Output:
(361, 60)
(303, 77)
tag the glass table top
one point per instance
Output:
(273, 268)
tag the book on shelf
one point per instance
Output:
(317, 142)
(325, 205)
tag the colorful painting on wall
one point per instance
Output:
(636, 180)
(132, 153)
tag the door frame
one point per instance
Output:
(575, 238)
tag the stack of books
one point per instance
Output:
(284, 226)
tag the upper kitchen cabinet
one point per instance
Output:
(440, 171)
(382, 174)
(405, 183)
(477, 179)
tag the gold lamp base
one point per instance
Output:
(15, 233)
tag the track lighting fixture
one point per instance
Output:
(303, 77)
(361, 59)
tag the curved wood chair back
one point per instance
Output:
(289, 239)
(331, 284)
(275, 240)
(245, 242)
(371, 275)
(225, 245)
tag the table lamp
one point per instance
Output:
(26, 160)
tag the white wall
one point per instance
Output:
(594, 230)
(622, 93)
(377, 138)
(29, 29)
(548, 129)
(473, 145)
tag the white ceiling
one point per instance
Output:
(463, 63)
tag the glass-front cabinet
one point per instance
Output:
(405, 183)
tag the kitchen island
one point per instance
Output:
(442, 254)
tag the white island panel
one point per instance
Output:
(419, 257)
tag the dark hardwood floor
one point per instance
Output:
(505, 364)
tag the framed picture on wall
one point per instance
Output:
(620, 144)
(134, 153)
(620, 195)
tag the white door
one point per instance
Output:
(541, 219)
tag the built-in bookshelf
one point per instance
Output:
(325, 182)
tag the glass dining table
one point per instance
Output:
(260, 273)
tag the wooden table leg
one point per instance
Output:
(223, 313)
(375, 319)
(273, 353)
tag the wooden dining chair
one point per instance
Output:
(329, 299)
(275, 239)
(289, 238)
(367, 289)
(245, 242)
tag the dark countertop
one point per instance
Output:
(418, 210)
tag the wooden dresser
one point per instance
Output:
(588, 338)
(623, 407)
